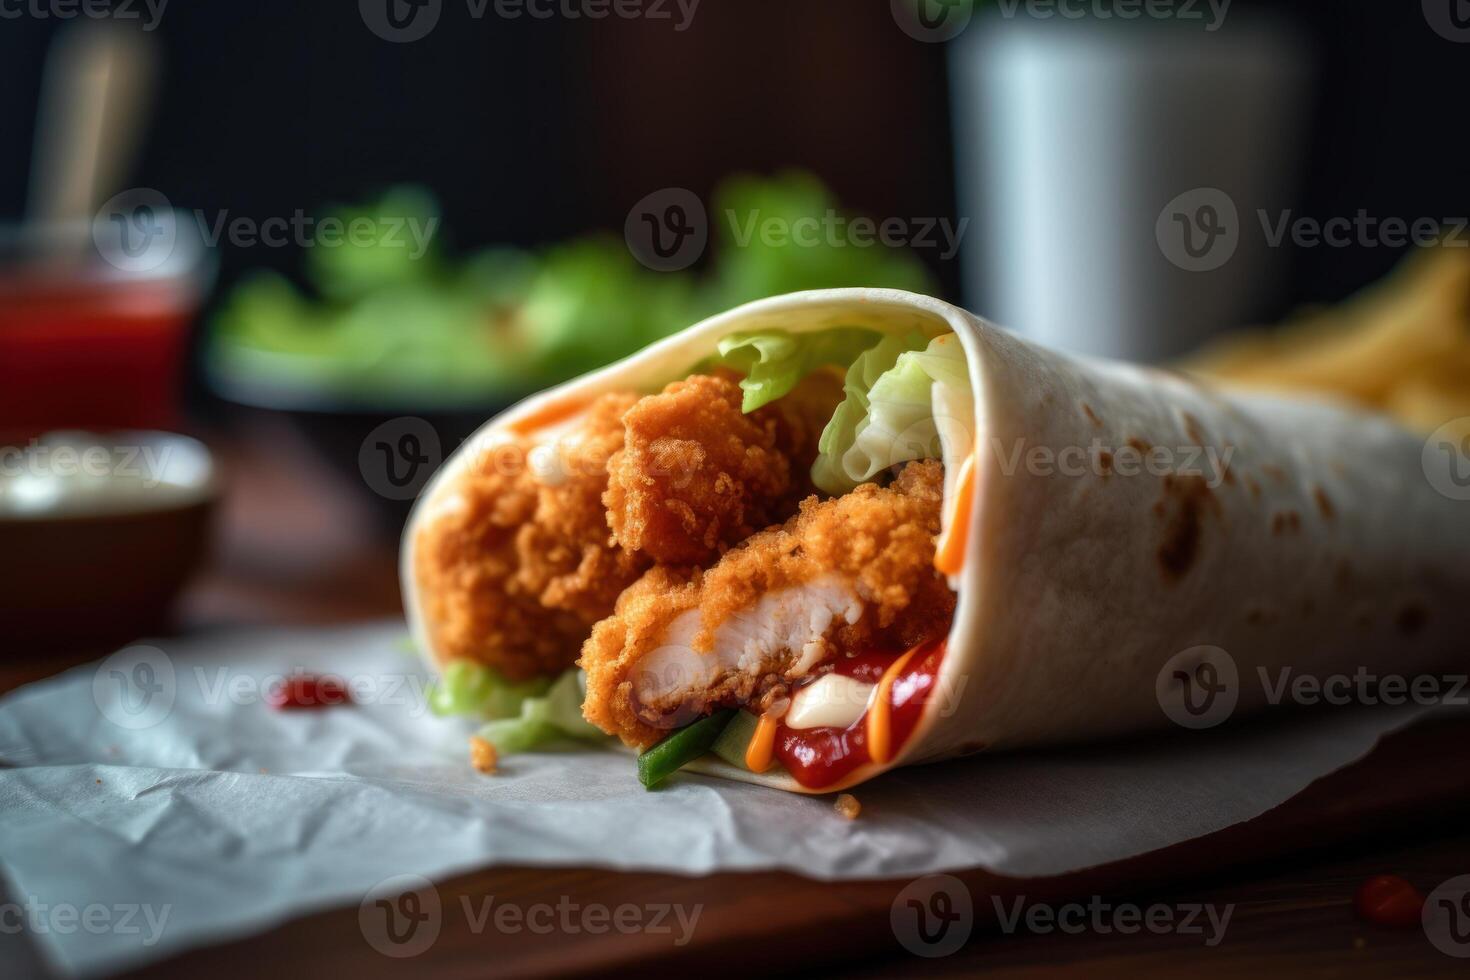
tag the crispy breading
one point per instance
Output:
(697, 476)
(514, 569)
(881, 540)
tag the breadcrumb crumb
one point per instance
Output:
(847, 806)
(483, 755)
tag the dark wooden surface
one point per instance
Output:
(296, 544)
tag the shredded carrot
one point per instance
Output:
(762, 747)
(880, 715)
(949, 553)
(548, 415)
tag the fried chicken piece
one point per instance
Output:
(566, 554)
(845, 575)
(516, 563)
(697, 476)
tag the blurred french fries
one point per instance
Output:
(1401, 346)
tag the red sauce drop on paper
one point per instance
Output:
(1388, 900)
(818, 757)
(308, 691)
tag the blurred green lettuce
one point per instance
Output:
(389, 315)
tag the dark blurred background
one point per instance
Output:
(530, 130)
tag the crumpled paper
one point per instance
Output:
(160, 780)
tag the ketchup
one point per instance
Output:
(309, 691)
(818, 757)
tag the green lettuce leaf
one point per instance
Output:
(887, 416)
(468, 688)
(543, 720)
(775, 361)
(827, 472)
(519, 716)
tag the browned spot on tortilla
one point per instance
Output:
(1191, 429)
(1411, 618)
(1139, 444)
(1183, 506)
(1087, 410)
(1285, 521)
(1253, 486)
(1274, 472)
(1105, 461)
(1324, 503)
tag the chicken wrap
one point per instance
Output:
(827, 534)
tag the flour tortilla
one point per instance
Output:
(1321, 547)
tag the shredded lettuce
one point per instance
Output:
(519, 716)
(542, 720)
(888, 415)
(775, 361)
(841, 430)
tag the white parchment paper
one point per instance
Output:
(214, 815)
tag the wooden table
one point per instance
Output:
(298, 545)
